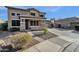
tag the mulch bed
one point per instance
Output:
(47, 36)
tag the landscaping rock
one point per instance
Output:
(2, 43)
(7, 47)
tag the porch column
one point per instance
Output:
(28, 24)
(22, 25)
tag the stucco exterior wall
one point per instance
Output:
(25, 14)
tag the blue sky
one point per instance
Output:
(57, 12)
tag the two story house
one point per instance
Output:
(25, 19)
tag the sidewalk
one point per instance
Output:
(50, 45)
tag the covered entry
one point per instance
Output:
(30, 23)
(26, 23)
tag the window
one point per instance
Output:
(19, 17)
(34, 23)
(41, 15)
(13, 14)
(18, 14)
(33, 14)
(37, 23)
(15, 23)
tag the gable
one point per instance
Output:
(33, 9)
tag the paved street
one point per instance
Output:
(69, 35)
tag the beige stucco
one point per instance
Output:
(23, 16)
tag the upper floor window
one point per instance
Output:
(33, 14)
(13, 14)
(18, 14)
(41, 15)
(19, 17)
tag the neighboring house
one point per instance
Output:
(25, 19)
(1, 21)
(67, 22)
(50, 22)
(47, 22)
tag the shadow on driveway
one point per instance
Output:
(62, 29)
(76, 32)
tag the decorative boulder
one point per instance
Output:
(2, 43)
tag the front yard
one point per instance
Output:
(6, 37)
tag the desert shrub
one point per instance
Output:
(14, 29)
(19, 40)
(4, 26)
(45, 30)
(77, 28)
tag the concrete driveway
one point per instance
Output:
(70, 35)
(67, 41)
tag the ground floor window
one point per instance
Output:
(34, 23)
(31, 23)
(15, 22)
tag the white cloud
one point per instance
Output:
(53, 8)
(2, 8)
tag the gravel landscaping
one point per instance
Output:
(47, 36)
(5, 36)
(32, 43)
(8, 48)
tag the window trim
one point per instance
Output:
(34, 23)
(33, 14)
(13, 13)
(41, 15)
(18, 14)
(15, 23)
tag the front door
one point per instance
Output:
(26, 24)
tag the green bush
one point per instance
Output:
(19, 40)
(77, 28)
(4, 26)
(45, 30)
(14, 29)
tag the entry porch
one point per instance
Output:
(30, 24)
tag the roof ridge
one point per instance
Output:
(23, 8)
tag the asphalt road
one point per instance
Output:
(71, 35)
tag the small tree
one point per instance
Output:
(45, 30)
(4, 26)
